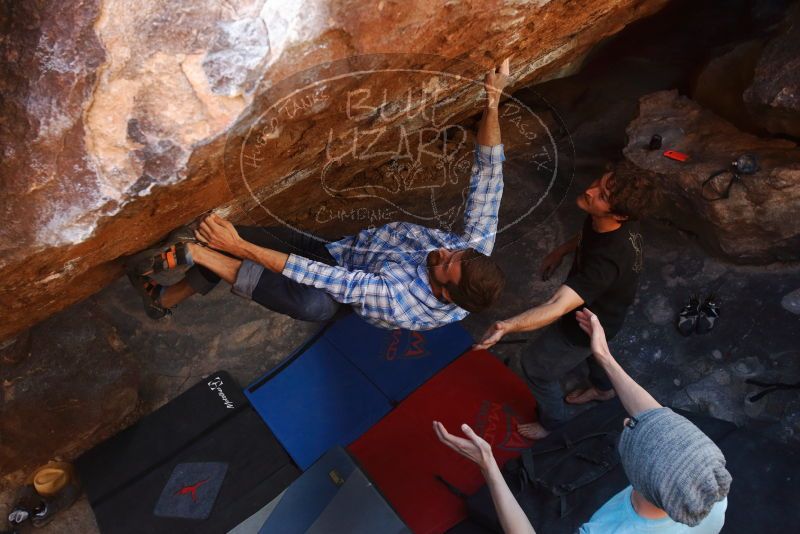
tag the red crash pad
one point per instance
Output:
(403, 456)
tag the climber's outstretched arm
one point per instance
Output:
(494, 83)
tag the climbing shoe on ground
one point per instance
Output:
(687, 318)
(150, 292)
(169, 254)
(27, 504)
(54, 487)
(709, 313)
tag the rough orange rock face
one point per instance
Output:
(123, 120)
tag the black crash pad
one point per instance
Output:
(202, 463)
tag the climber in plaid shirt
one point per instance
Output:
(400, 275)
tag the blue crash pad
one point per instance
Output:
(316, 400)
(334, 495)
(346, 378)
(397, 361)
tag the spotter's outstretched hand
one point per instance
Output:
(493, 334)
(590, 324)
(473, 447)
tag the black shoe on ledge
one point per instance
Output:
(709, 313)
(687, 318)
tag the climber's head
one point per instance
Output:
(465, 277)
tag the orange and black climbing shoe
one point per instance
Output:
(154, 261)
(172, 252)
(150, 292)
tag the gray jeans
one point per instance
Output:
(273, 290)
(550, 358)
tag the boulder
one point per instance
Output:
(773, 97)
(120, 124)
(724, 79)
(76, 387)
(791, 302)
(758, 222)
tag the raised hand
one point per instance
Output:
(474, 447)
(496, 81)
(493, 334)
(590, 324)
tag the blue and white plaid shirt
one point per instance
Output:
(383, 272)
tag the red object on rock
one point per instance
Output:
(677, 156)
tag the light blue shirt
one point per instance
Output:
(617, 516)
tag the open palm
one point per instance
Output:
(492, 335)
(474, 447)
(590, 324)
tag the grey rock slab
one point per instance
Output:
(747, 367)
(659, 311)
(791, 302)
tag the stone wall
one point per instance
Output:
(757, 222)
(123, 120)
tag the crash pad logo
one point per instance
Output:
(405, 344)
(215, 384)
(497, 423)
(191, 490)
(388, 137)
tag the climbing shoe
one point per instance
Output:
(150, 292)
(709, 313)
(169, 254)
(27, 504)
(687, 318)
(154, 261)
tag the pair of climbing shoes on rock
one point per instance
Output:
(697, 317)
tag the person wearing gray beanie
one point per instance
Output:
(679, 483)
(673, 465)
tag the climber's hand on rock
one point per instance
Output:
(496, 81)
(220, 234)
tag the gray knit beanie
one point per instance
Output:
(674, 465)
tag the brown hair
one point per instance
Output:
(481, 282)
(632, 191)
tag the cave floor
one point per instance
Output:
(755, 337)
